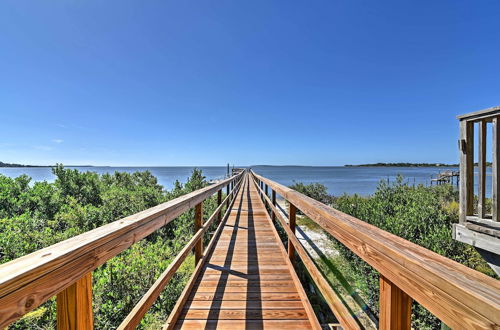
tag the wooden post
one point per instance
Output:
(266, 190)
(292, 214)
(198, 222)
(395, 307)
(495, 171)
(227, 194)
(481, 209)
(274, 203)
(219, 201)
(74, 305)
(466, 144)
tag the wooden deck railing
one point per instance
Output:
(65, 269)
(459, 296)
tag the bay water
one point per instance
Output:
(338, 179)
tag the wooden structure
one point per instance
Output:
(479, 225)
(245, 278)
(448, 177)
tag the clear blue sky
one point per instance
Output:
(246, 82)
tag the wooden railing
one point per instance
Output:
(459, 296)
(65, 269)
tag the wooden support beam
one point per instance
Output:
(495, 171)
(466, 145)
(198, 223)
(74, 305)
(227, 193)
(266, 190)
(481, 206)
(395, 307)
(292, 215)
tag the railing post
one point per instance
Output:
(274, 203)
(467, 169)
(292, 214)
(227, 194)
(74, 305)
(267, 192)
(198, 223)
(219, 202)
(481, 184)
(495, 171)
(395, 307)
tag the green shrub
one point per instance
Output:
(36, 216)
(422, 215)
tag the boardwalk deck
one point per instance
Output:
(247, 281)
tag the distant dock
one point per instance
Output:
(447, 177)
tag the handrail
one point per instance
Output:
(29, 281)
(459, 296)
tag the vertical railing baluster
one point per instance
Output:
(219, 202)
(74, 305)
(481, 206)
(395, 307)
(495, 171)
(466, 169)
(274, 203)
(198, 223)
(292, 214)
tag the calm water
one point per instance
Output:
(338, 180)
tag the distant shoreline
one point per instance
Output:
(6, 165)
(404, 165)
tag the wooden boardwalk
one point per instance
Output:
(244, 279)
(247, 281)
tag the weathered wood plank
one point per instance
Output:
(244, 284)
(244, 324)
(246, 278)
(246, 304)
(244, 314)
(247, 288)
(268, 296)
